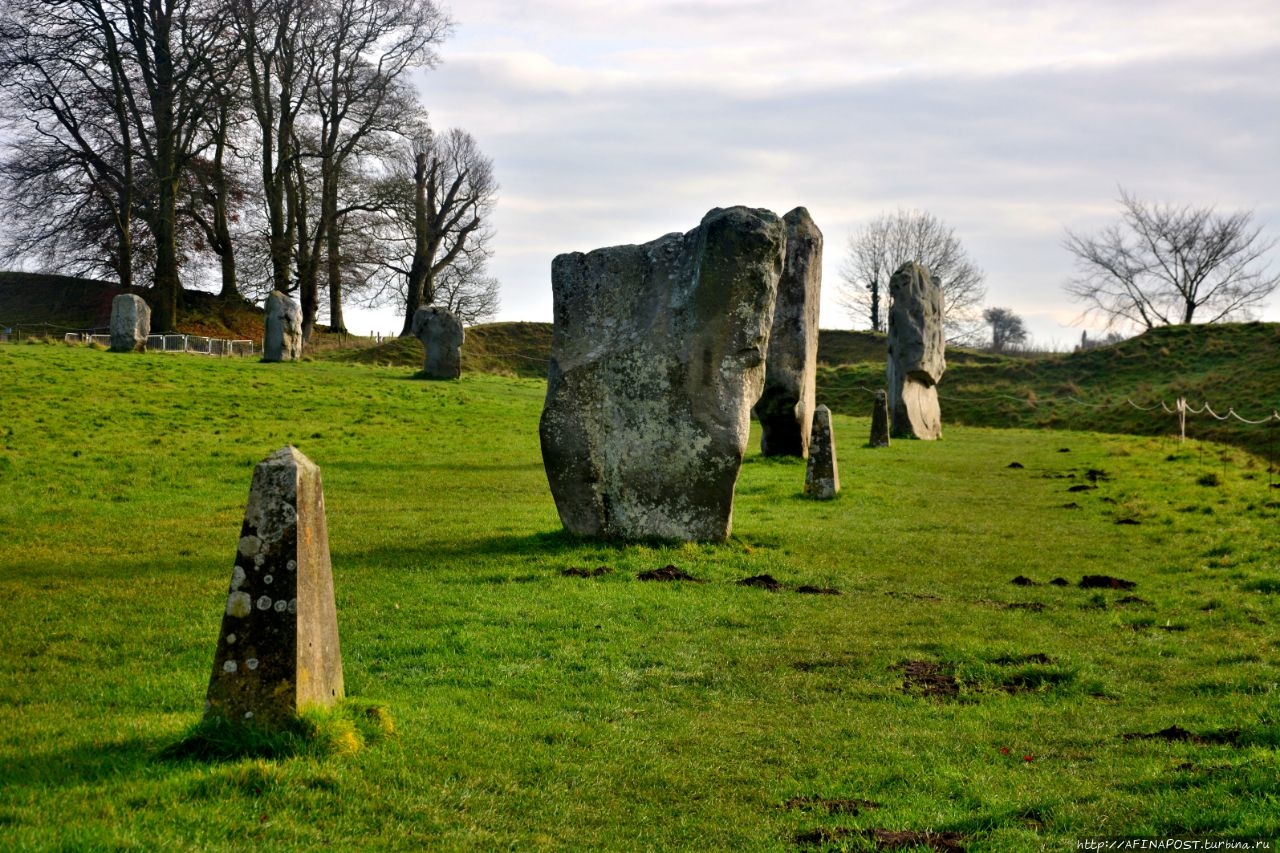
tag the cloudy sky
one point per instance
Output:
(616, 122)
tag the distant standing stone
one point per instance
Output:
(917, 347)
(880, 420)
(278, 650)
(822, 476)
(442, 335)
(785, 409)
(283, 341)
(130, 322)
(657, 357)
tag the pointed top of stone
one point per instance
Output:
(289, 455)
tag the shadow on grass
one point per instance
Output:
(81, 764)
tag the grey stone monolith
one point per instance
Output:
(278, 649)
(917, 347)
(880, 420)
(130, 322)
(785, 409)
(657, 357)
(283, 339)
(822, 475)
(442, 335)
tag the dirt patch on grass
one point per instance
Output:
(1016, 660)
(1081, 487)
(1132, 599)
(1127, 520)
(1022, 580)
(579, 572)
(1032, 606)
(818, 590)
(1104, 582)
(768, 582)
(667, 573)
(830, 805)
(885, 839)
(1176, 733)
(1071, 505)
(1059, 582)
(920, 596)
(1015, 465)
(926, 678)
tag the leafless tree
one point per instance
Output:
(1165, 264)
(878, 248)
(1008, 332)
(437, 198)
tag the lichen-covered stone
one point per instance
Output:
(657, 358)
(880, 420)
(283, 338)
(785, 409)
(917, 348)
(278, 650)
(442, 335)
(822, 475)
(130, 322)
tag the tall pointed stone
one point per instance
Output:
(785, 409)
(822, 475)
(283, 338)
(657, 357)
(278, 650)
(130, 322)
(917, 347)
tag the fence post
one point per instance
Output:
(1182, 420)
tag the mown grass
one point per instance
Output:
(539, 711)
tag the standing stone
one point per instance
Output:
(917, 348)
(441, 334)
(130, 322)
(785, 409)
(283, 341)
(278, 649)
(657, 357)
(822, 476)
(880, 420)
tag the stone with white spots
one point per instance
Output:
(278, 650)
(283, 337)
(822, 475)
(657, 357)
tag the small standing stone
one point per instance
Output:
(917, 346)
(283, 340)
(785, 409)
(278, 650)
(130, 322)
(442, 335)
(822, 477)
(880, 420)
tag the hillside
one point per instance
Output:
(1228, 365)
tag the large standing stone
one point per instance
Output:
(917, 348)
(880, 420)
(441, 334)
(822, 476)
(278, 649)
(130, 322)
(785, 409)
(657, 358)
(283, 341)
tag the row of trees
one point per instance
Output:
(1159, 265)
(280, 139)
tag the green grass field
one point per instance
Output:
(933, 700)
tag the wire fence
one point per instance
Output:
(197, 344)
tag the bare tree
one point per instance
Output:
(1007, 329)
(890, 240)
(437, 204)
(1163, 264)
(467, 290)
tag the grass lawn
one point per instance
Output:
(535, 710)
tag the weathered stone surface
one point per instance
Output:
(130, 322)
(283, 339)
(880, 420)
(822, 476)
(278, 651)
(442, 335)
(657, 358)
(917, 347)
(785, 409)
